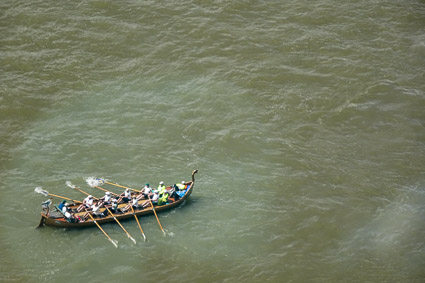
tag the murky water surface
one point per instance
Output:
(305, 120)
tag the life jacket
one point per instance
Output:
(161, 189)
(163, 200)
(181, 187)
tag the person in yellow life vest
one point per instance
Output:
(161, 188)
(163, 200)
(180, 187)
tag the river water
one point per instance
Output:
(305, 119)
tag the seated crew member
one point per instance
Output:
(106, 198)
(182, 186)
(134, 203)
(114, 205)
(163, 199)
(95, 210)
(125, 196)
(69, 216)
(61, 205)
(87, 203)
(155, 197)
(65, 208)
(161, 188)
(146, 191)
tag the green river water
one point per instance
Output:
(306, 120)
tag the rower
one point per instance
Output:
(134, 203)
(95, 210)
(114, 205)
(69, 216)
(87, 203)
(125, 196)
(163, 199)
(106, 198)
(155, 197)
(147, 191)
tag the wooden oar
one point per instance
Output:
(138, 223)
(157, 219)
(95, 222)
(114, 184)
(106, 190)
(46, 193)
(72, 186)
(128, 235)
(153, 208)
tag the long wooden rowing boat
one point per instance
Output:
(57, 219)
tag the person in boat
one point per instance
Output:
(114, 205)
(181, 186)
(161, 188)
(45, 206)
(146, 191)
(61, 205)
(107, 198)
(125, 196)
(69, 215)
(65, 208)
(163, 199)
(87, 203)
(154, 197)
(134, 203)
(95, 210)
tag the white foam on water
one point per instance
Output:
(94, 182)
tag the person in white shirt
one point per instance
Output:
(147, 191)
(106, 198)
(125, 196)
(87, 203)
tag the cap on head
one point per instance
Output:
(90, 196)
(63, 201)
(183, 182)
(161, 183)
(147, 185)
(107, 193)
